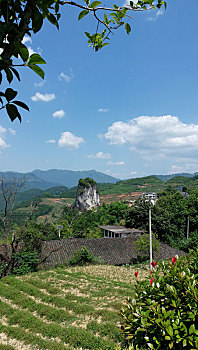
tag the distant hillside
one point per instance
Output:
(30, 180)
(25, 197)
(46, 179)
(70, 178)
(111, 190)
(141, 184)
(169, 177)
(183, 181)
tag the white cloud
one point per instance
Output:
(31, 51)
(66, 77)
(184, 165)
(100, 155)
(156, 137)
(3, 144)
(59, 114)
(50, 141)
(40, 84)
(69, 141)
(160, 12)
(39, 50)
(155, 15)
(103, 110)
(116, 163)
(12, 131)
(26, 39)
(40, 97)
(101, 137)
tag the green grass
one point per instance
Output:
(63, 309)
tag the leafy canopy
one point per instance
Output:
(26, 17)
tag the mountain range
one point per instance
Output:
(55, 177)
(43, 180)
(168, 177)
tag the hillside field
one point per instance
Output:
(65, 308)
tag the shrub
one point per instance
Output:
(32, 234)
(83, 257)
(163, 314)
(142, 246)
(184, 243)
(25, 262)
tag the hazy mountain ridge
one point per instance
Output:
(114, 190)
(55, 177)
(169, 177)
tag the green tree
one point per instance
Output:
(26, 17)
(85, 224)
(138, 215)
(142, 246)
(32, 234)
(169, 217)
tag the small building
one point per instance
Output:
(150, 196)
(119, 231)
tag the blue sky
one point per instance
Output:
(129, 110)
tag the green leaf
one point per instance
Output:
(88, 35)
(21, 104)
(169, 330)
(35, 58)
(95, 4)
(37, 70)
(23, 52)
(128, 28)
(37, 20)
(167, 337)
(193, 330)
(56, 7)
(16, 73)
(9, 75)
(106, 18)
(10, 94)
(82, 14)
(13, 112)
(52, 19)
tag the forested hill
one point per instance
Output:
(54, 177)
(143, 184)
(169, 177)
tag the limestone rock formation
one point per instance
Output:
(87, 195)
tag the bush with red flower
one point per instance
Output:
(163, 313)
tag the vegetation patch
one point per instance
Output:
(66, 308)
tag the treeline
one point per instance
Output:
(144, 184)
(170, 218)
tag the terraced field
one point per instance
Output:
(65, 308)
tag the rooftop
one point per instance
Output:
(121, 229)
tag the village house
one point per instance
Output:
(150, 196)
(119, 231)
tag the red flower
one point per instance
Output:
(154, 263)
(173, 260)
(136, 274)
(151, 281)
